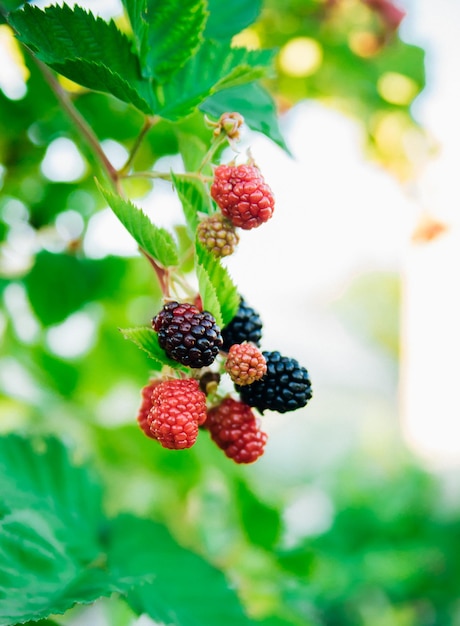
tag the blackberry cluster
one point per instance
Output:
(188, 335)
(285, 387)
(245, 326)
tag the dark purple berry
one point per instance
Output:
(188, 335)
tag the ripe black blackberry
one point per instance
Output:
(285, 387)
(188, 335)
(245, 326)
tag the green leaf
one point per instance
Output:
(147, 339)
(194, 198)
(135, 10)
(261, 522)
(254, 103)
(157, 242)
(77, 44)
(184, 589)
(99, 77)
(214, 67)
(192, 149)
(50, 523)
(208, 294)
(10, 5)
(60, 284)
(219, 278)
(172, 35)
(229, 18)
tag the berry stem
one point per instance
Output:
(166, 175)
(84, 128)
(180, 281)
(162, 274)
(216, 143)
(149, 122)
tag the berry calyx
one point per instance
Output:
(188, 335)
(209, 382)
(235, 429)
(245, 363)
(217, 234)
(229, 123)
(285, 387)
(243, 195)
(178, 408)
(245, 326)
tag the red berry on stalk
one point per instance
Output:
(178, 408)
(235, 429)
(243, 195)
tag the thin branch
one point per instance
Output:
(148, 123)
(167, 176)
(161, 272)
(84, 128)
(215, 145)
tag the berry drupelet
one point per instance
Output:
(188, 335)
(285, 387)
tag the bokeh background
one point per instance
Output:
(352, 515)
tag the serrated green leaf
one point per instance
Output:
(226, 290)
(157, 242)
(172, 35)
(50, 520)
(147, 339)
(11, 5)
(99, 77)
(76, 43)
(214, 67)
(208, 294)
(194, 198)
(36, 472)
(185, 590)
(254, 103)
(135, 10)
(229, 18)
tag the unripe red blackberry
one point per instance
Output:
(243, 195)
(245, 363)
(217, 234)
(235, 429)
(245, 326)
(188, 335)
(285, 387)
(178, 408)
